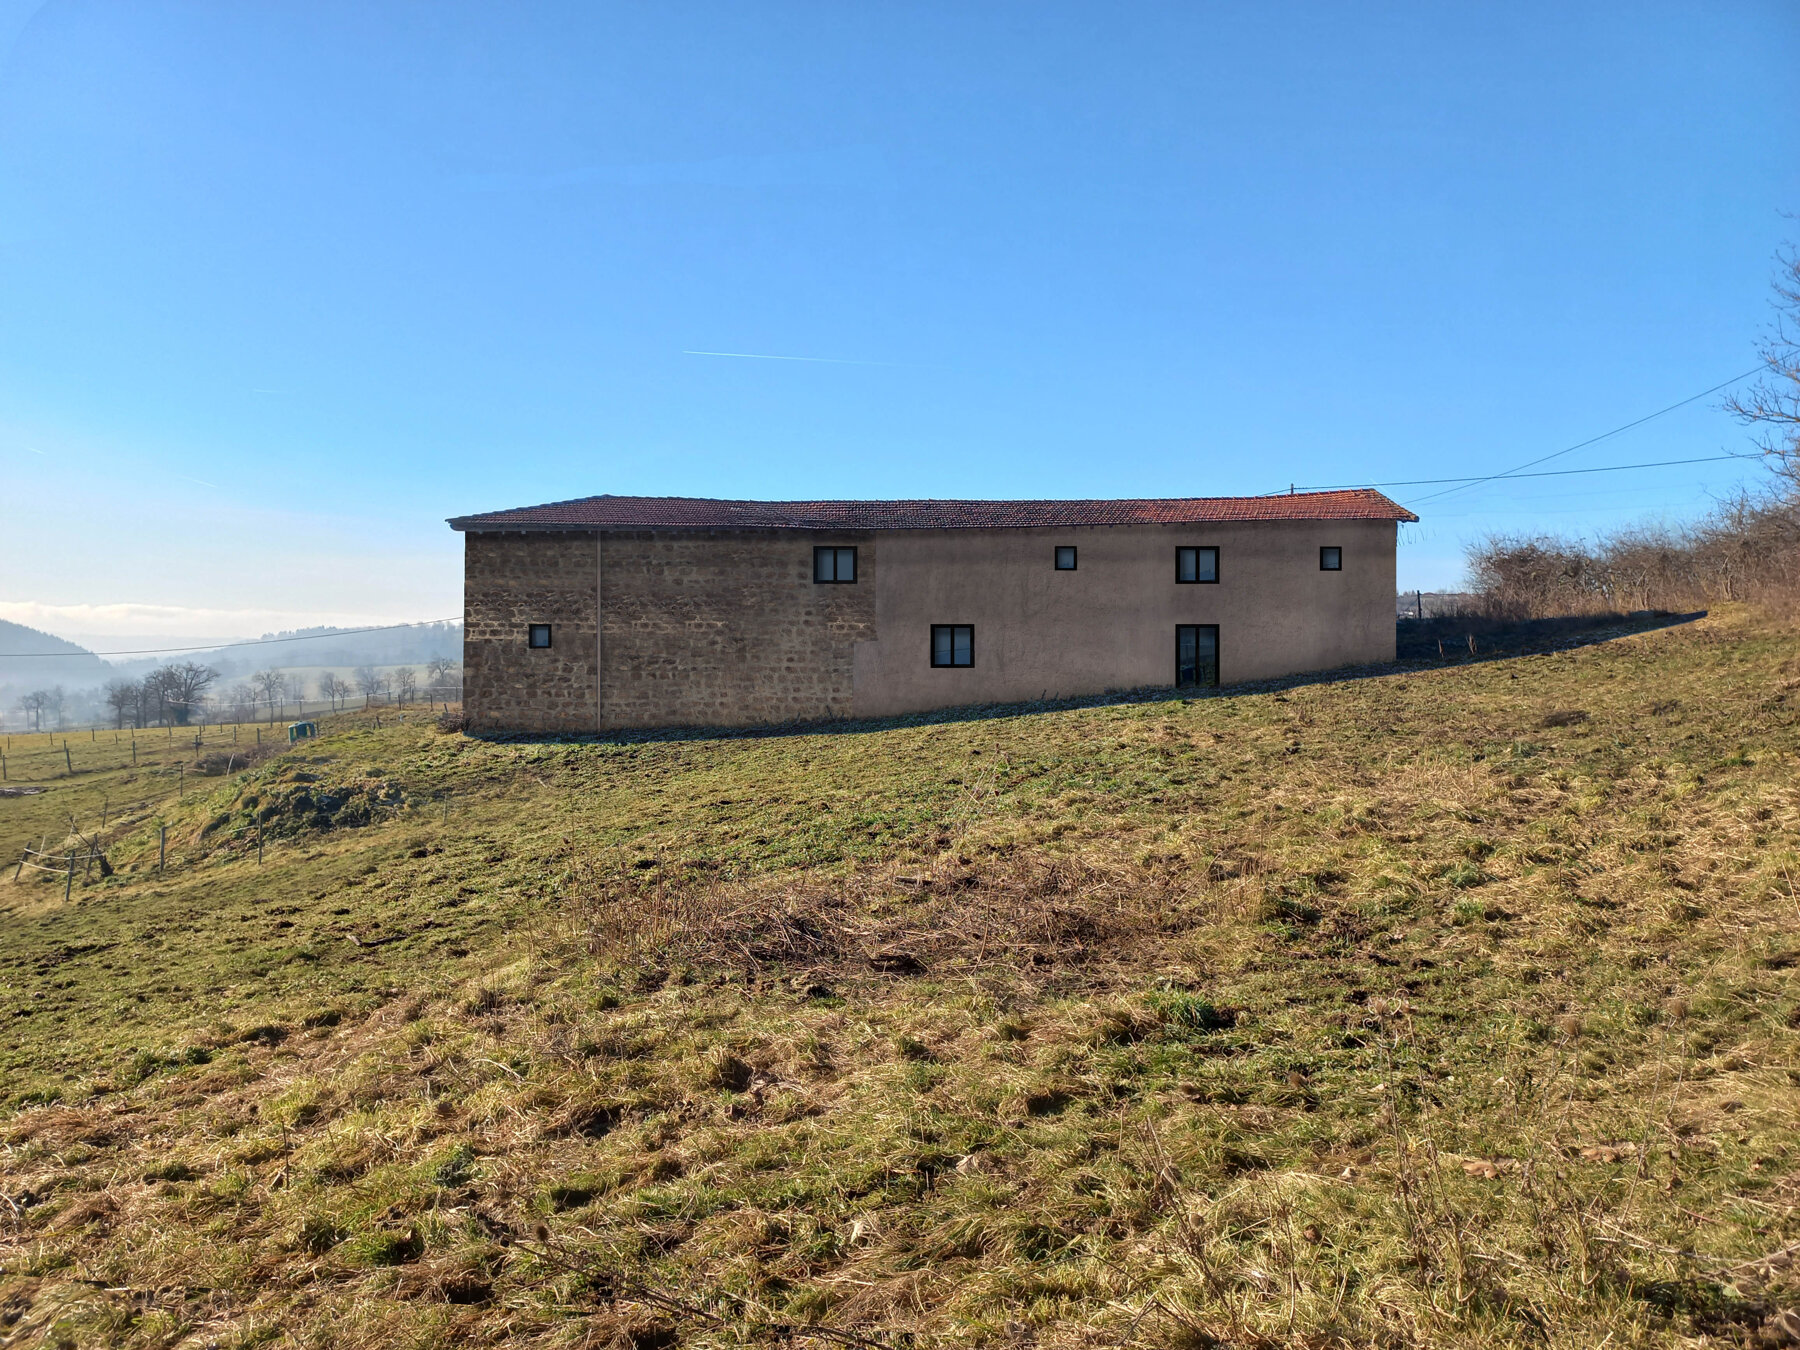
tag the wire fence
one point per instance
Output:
(289, 708)
(218, 752)
(238, 841)
(256, 740)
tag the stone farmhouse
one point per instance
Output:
(610, 613)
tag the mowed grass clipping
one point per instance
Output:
(1453, 1006)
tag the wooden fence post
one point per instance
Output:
(162, 847)
(69, 879)
(259, 843)
(68, 763)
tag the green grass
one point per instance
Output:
(1407, 1010)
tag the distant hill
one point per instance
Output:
(71, 666)
(410, 644)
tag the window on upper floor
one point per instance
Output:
(952, 644)
(1065, 557)
(537, 635)
(1331, 559)
(1197, 565)
(834, 566)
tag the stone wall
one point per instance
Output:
(723, 629)
(510, 582)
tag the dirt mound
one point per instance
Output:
(298, 802)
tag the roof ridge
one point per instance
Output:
(608, 510)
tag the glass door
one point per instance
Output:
(1196, 655)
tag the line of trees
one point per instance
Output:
(174, 695)
(268, 692)
(42, 703)
(182, 693)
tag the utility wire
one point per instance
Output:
(1592, 440)
(1542, 473)
(227, 646)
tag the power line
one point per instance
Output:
(1592, 440)
(228, 646)
(1544, 473)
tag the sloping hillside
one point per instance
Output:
(73, 665)
(1454, 1006)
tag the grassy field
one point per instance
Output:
(1457, 1005)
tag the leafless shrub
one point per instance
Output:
(236, 758)
(1747, 549)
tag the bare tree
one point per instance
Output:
(123, 697)
(271, 688)
(33, 705)
(406, 684)
(442, 672)
(369, 682)
(1772, 405)
(241, 703)
(55, 701)
(182, 686)
(334, 690)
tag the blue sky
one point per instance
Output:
(284, 285)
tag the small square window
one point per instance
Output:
(834, 566)
(1331, 560)
(1065, 557)
(952, 644)
(537, 635)
(1197, 565)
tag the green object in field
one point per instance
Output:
(300, 731)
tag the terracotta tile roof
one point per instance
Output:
(704, 513)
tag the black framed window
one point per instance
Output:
(834, 566)
(537, 635)
(952, 644)
(1199, 565)
(1331, 559)
(1196, 655)
(1065, 557)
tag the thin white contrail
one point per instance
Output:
(764, 356)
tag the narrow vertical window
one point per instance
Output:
(952, 644)
(1065, 557)
(537, 635)
(1331, 560)
(1197, 565)
(1196, 655)
(834, 566)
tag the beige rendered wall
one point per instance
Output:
(1110, 624)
